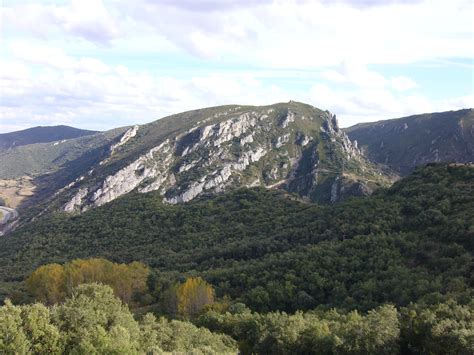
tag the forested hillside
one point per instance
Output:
(390, 273)
(411, 242)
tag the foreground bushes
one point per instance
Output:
(94, 321)
(442, 329)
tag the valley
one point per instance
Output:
(274, 211)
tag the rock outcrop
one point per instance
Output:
(291, 146)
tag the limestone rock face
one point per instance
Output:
(290, 146)
(129, 134)
(76, 201)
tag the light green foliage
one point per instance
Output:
(12, 337)
(310, 333)
(446, 328)
(93, 318)
(94, 321)
(44, 337)
(182, 336)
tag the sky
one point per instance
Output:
(102, 64)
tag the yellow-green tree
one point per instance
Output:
(47, 283)
(192, 296)
(52, 283)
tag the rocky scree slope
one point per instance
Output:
(407, 142)
(292, 146)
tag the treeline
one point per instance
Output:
(446, 328)
(94, 320)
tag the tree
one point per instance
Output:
(53, 282)
(95, 321)
(12, 337)
(47, 283)
(189, 298)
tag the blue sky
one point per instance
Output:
(102, 64)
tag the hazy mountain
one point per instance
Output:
(40, 135)
(33, 172)
(407, 142)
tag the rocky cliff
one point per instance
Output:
(290, 146)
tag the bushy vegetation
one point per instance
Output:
(410, 243)
(446, 328)
(51, 283)
(94, 321)
(385, 274)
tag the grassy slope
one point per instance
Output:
(411, 242)
(42, 158)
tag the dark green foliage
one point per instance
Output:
(410, 243)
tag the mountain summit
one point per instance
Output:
(292, 146)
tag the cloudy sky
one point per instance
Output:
(102, 64)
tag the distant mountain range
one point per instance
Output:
(40, 135)
(404, 143)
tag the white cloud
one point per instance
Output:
(87, 19)
(355, 106)
(402, 83)
(33, 53)
(255, 52)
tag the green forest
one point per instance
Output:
(251, 271)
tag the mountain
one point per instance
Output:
(412, 242)
(291, 146)
(40, 135)
(32, 172)
(407, 142)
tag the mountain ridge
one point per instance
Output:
(41, 134)
(406, 142)
(290, 145)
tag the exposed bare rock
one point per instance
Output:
(282, 140)
(77, 201)
(290, 117)
(279, 146)
(129, 134)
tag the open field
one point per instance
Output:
(13, 192)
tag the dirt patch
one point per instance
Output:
(13, 192)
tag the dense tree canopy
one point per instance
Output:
(412, 242)
(51, 283)
(94, 321)
(387, 274)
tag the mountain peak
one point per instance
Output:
(292, 146)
